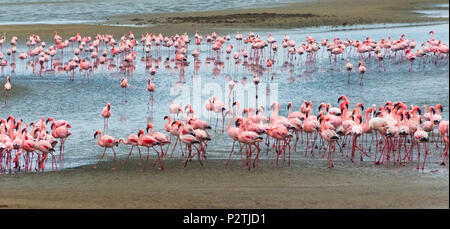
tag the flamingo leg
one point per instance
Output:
(229, 157)
(114, 158)
(104, 151)
(126, 160)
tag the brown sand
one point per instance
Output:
(217, 186)
(295, 15)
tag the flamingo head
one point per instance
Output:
(97, 132)
(439, 107)
(275, 105)
(141, 132)
(343, 97)
(432, 110)
(149, 126)
(49, 119)
(10, 117)
(187, 107)
(245, 111)
(359, 118)
(360, 63)
(361, 106)
(289, 105)
(176, 123)
(417, 108)
(239, 121)
(108, 106)
(406, 114)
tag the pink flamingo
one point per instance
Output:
(63, 133)
(124, 85)
(7, 89)
(106, 141)
(443, 130)
(421, 137)
(361, 70)
(146, 141)
(132, 140)
(232, 133)
(186, 136)
(330, 137)
(106, 114)
(46, 147)
(163, 139)
(218, 107)
(348, 67)
(150, 88)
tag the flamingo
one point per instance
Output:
(443, 130)
(330, 137)
(232, 133)
(124, 85)
(146, 141)
(132, 140)
(7, 89)
(187, 137)
(106, 141)
(46, 147)
(218, 107)
(348, 67)
(175, 109)
(106, 114)
(361, 70)
(247, 138)
(162, 139)
(150, 88)
(61, 132)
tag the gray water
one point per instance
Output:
(90, 11)
(80, 102)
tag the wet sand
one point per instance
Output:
(292, 15)
(217, 186)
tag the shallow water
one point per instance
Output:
(85, 11)
(80, 102)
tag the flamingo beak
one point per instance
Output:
(95, 135)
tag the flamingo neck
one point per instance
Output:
(230, 121)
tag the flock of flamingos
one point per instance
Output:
(395, 130)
